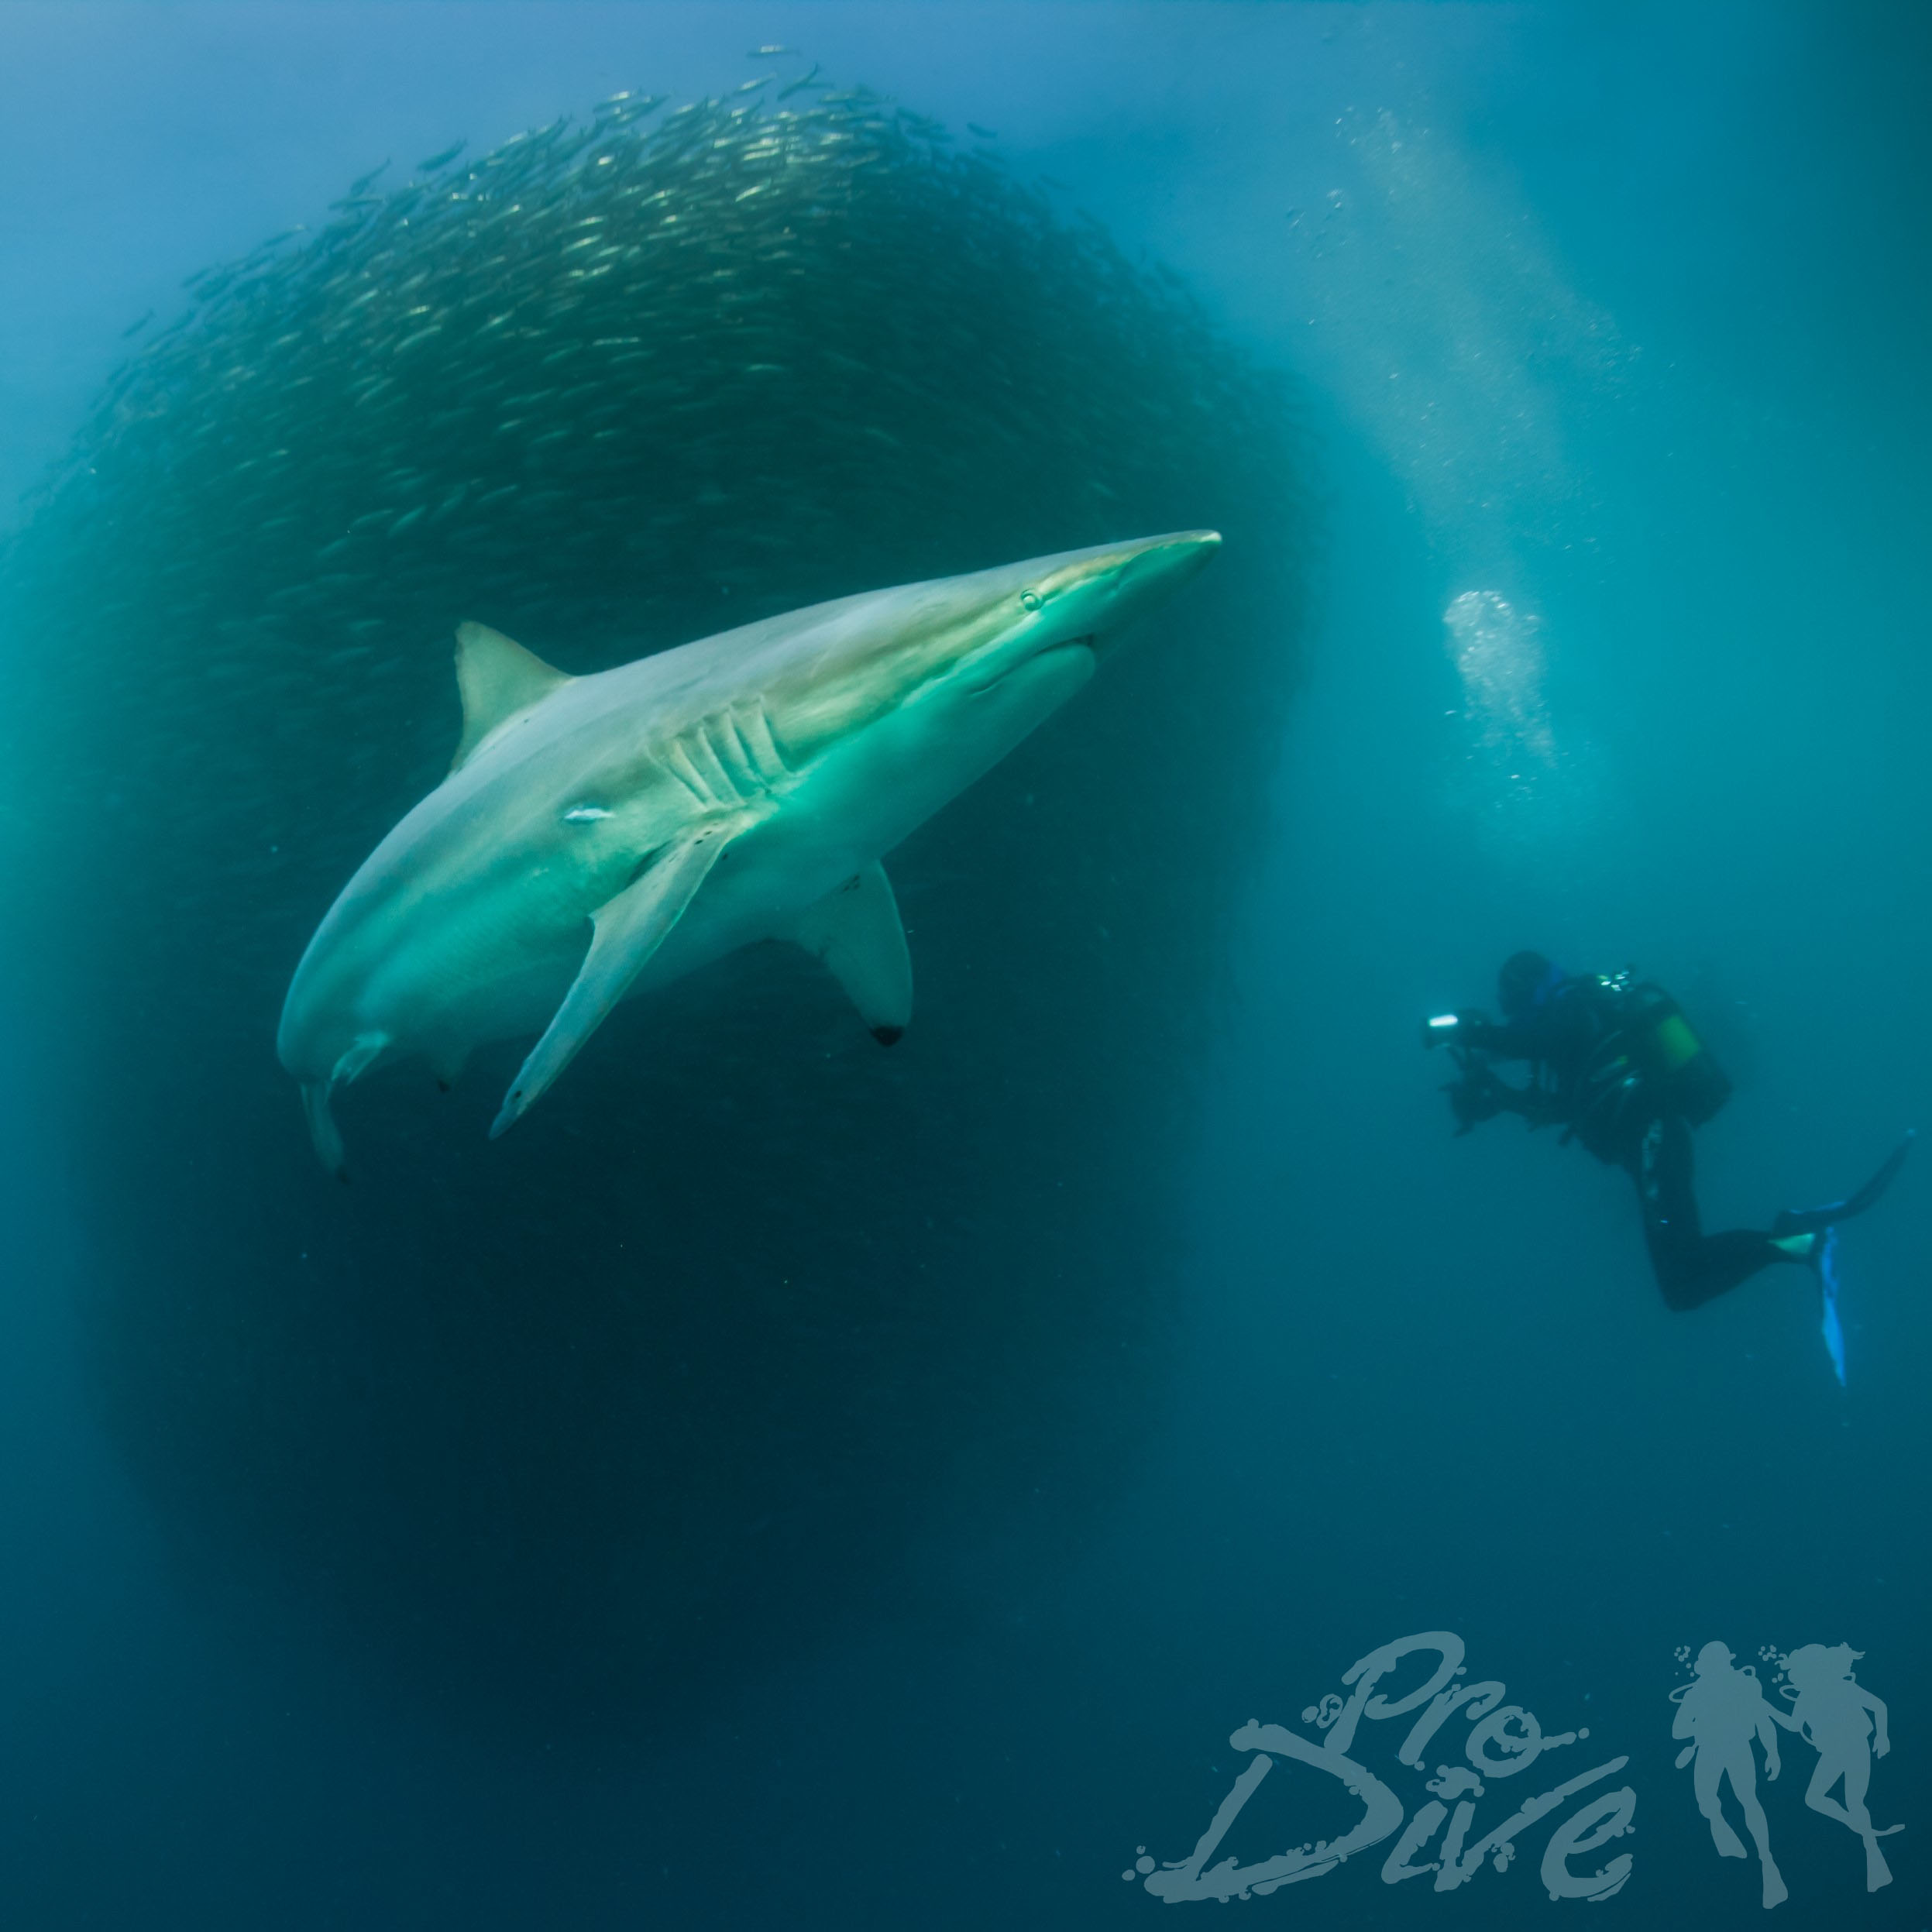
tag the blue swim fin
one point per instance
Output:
(1826, 1260)
(1823, 1222)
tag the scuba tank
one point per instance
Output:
(1663, 1051)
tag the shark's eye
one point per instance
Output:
(1029, 599)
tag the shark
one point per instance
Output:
(601, 835)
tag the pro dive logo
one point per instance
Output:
(1451, 1718)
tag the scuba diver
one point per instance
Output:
(1614, 1062)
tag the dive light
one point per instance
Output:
(1442, 1028)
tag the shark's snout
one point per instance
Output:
(1094, 595)
(1162, 565)
(1155, 570)
(1077, 604)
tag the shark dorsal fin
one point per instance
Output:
(497, 678)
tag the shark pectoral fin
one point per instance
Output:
(322, 1129)
(497, 678)
(628, 930)
(856, 930)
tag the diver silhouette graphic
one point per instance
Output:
(1836, 1715)
(1721, 1710)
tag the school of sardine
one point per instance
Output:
(615, 384)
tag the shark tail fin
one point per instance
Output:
(855, 929)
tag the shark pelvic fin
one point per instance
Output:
(856, 930)
(497, 679)
(322, 1129)
(361, 1053)
(627, 931)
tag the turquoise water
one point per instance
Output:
(785, 1482)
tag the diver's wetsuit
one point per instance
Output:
(1581, 1079)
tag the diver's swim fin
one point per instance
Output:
(1825, 1259)
(1805, 1220)
(1822, 1223)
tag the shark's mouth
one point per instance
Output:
(993, 681)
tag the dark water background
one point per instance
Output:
(397, 1592)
